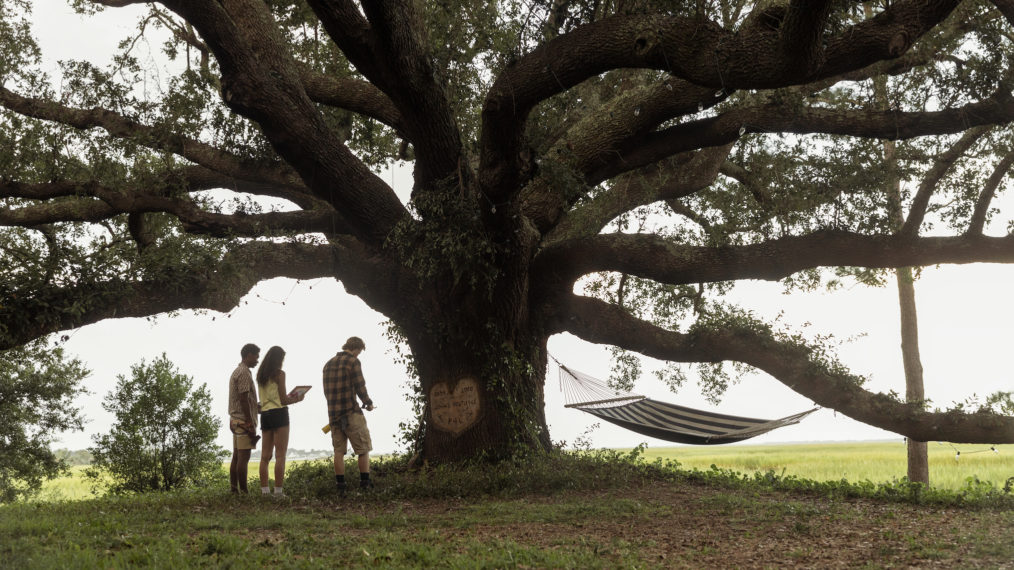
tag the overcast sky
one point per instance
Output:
(965, 326)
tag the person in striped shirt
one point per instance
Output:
(343, 383)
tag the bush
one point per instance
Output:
(163, 436)
(37, 389)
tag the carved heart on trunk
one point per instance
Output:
(455, 411)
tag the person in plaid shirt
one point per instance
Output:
(343, 382)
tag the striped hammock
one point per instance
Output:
(661, 420)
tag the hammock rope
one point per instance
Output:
(661, 420)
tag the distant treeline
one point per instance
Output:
(76, 457)
(83, 457)
(298, 454)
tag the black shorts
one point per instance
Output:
(275, 418)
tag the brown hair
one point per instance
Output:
(353, 343)
(271, 364)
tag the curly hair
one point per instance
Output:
(353, 343)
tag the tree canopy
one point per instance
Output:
(607, 168)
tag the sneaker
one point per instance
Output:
(342, 488)
(365, 483)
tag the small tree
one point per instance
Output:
(163, 436)
(37, 390)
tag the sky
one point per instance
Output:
(965, 315)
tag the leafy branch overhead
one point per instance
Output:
(608, 169)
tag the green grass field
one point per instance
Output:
(854, 461)
(591, 509)
(863, 461)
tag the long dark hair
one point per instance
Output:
(271, 364)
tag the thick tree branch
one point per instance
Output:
(188, 179)
(978, 219)
(679, 177)
(260, 81)
(93, 203)
(598, 137)
(941, 165)
(355, 95)
(729, 126)
(789, 363)
(802, 33)
(197, 178)
(652, 257)
(601, 138)
(389, 51)
(118, 3)
(350, 31)
(285, 181)
(219, 288)
(1006, 8)
(711, 56)
(413, 85)
(747, 179)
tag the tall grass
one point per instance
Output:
(71, 487)
(878, 462)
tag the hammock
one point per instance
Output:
(661, 420)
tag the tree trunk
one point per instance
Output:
(918, 459)
(481, 400)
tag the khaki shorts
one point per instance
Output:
(355, 433)
(241, 439)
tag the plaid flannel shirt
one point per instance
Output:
(343, 381)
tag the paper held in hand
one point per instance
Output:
(298, 391)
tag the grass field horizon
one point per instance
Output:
(878, 461)
(950, 466)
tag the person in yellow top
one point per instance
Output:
(274, 417)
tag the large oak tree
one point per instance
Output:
(606, 168)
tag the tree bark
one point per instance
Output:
(918, 459)
(481, 400)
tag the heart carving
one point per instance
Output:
(457, 410)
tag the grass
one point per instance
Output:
(73, 486)
(589, 510)
(879, 462)
(863, 461)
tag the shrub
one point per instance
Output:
(163, 435)
(37, 390)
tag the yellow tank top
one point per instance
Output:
(269, 396)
